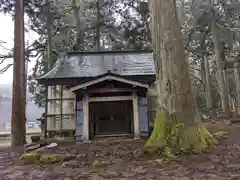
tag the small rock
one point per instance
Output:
(69, 157)
(29, 145)
(128, 174)
(109, 174)
(233, 166)
(31, 148)
(52, 145)
(30, 158)
(50, 158)
(221, 135)
(140, 171)
(83, 175)
(45, 175)
(37, 158)
(40, 147)
(118, 161)
(71, 164)
(100, 164)
(138, 153)
(82, 157)
(124, 153)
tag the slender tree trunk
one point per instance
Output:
(78, 10)
(237, 81)
(219, 62)
(207, 84)
(98, 45)
(177, 128)
(49, 35)
(18, 127)
(237, 78)
(225, 76)
(49, 59)
(205, 73)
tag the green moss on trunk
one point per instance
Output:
(173, 137)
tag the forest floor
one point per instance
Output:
(122, 160)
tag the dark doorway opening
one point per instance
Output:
(111, 118)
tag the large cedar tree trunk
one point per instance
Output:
(18, 127)
(177, 127)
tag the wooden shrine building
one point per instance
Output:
(97, 94)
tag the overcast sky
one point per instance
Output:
(6, 34)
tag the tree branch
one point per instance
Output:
(5, 68)
(4, 57)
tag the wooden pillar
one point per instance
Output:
(61, 110)
(47, 109)
(85, 118)
(136, 116)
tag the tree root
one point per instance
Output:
(173, 138)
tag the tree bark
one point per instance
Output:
(177, 128)
(98, 34)
(237, 81)
(207, 84)
(18, 126)
(205, 73)
(49, 59)
(78, 10)
(220, 70)
(49, 35)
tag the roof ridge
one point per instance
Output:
(70, 66)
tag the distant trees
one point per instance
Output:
(115, 25)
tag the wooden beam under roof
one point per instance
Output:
(108, 78)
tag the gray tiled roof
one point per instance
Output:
(91, 65)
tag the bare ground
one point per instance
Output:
(122, 160)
